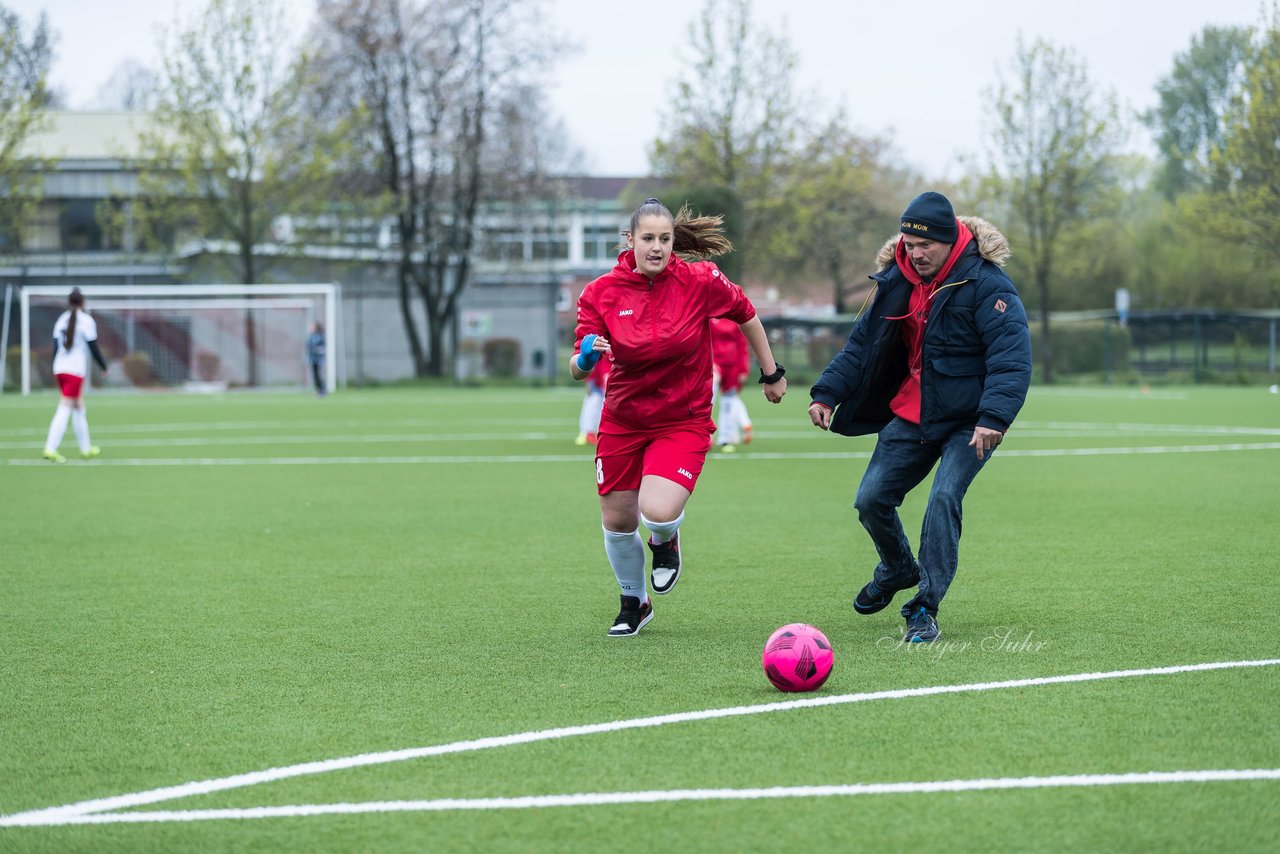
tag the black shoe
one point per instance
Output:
(631, 618)
(666, 565)
(871, 599)
(921, 627)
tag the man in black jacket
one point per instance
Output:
(938, 366)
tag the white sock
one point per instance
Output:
(662, 532)
(729, 424)
(58, 426)
(80, 423)
(626, 556)
(589, 417)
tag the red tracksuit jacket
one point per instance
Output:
(660, 332)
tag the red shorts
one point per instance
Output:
(70, 384)
(624, 457)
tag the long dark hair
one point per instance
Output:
(693, 236)
(75, 302)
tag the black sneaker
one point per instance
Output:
(666, 565)
(921, 627)
(631, 618)
(871, 599)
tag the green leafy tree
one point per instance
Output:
(838, 201)
(1244, 207)
(1190, 119)
(1174, 263)
(1052, 162)
(24, 70)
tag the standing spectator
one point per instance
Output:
(729, 353)
(938, 366)
(75, 337)
(315, 357)
(593, 403)
(652, 314)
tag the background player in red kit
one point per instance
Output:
(652, 315)
(729, 351)
(593, 403)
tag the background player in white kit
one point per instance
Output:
(75, 336)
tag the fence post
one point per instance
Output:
(1272, 354)
(1197, 344)
(1106, 352)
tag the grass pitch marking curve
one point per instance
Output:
(672, 795)
(92, 811)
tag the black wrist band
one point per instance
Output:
(778, 373)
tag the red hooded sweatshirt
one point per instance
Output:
(660, 334)
(906, 403)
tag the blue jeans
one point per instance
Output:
(901, 460)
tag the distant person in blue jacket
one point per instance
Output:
(315, 357)
(938, 366)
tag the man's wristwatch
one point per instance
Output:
(778, 373)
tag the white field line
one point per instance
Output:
(213, 440)
(675, 795)
(313, 439)
(584, 457)
(70, 813)
(219, 426)
(1022, 428)
(1129, 428)
(1113, 394)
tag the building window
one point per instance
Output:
(550, 245)
(41, 232)
(600, 242)
(79, 226)
(504, 244)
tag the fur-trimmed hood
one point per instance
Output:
(992, 245)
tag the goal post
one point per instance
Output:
(191, 337)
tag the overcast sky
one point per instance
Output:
(914, 71)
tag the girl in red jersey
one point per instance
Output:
(652, 315)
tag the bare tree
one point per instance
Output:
(131, 86)
(1053, 149)
(736, 118)
(437, 82)
(231, 148)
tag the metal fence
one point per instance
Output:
(1196, 346)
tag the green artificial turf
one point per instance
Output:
(255, 581)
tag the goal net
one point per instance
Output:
(189, 337)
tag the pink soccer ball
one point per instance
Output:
(797, 657)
